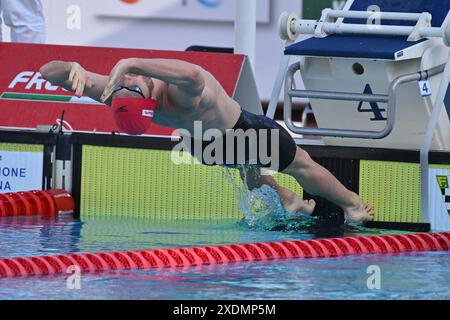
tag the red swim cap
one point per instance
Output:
(133, 115)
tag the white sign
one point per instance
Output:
(425, 89)
(20, 171)
(439, 184)
(199, 10)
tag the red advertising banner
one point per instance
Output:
(27, 100)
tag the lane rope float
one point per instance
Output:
(36, 202)
(179, 257)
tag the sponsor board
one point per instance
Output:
(445, 190)
(196, 192)
(27, 100)
(20, 171)
(393, 188)
(440, 197)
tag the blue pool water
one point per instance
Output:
(403, 276)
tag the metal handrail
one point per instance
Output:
(428, 138)
(312, 94)
(290, 26)
(390, 99)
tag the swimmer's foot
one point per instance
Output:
(294, 204)
(362, 212)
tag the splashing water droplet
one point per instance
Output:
(262, 206)
(262, 209)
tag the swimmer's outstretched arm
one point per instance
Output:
(185, 76)
(73, 77)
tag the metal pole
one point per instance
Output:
(391, 99)
(313, 94)
(380, 30)
(426, 145)
(284, 64)
(367, 14)
(245, 29)
(309, 26)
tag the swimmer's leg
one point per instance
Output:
(289, 199)
(317, 180)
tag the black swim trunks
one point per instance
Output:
(254, 140)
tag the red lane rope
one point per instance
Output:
(145, 259)
(36, 202)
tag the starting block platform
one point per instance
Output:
(377, 75)
(379, 83)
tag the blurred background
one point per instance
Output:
(163, 24)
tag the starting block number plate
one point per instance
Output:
(425, 89)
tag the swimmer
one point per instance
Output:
(186, 93)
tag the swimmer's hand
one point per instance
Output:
(115, 78)
(79, 78)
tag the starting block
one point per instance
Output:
(377, 67)
(377, 75)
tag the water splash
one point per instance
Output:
(262, 209)
(239, 186)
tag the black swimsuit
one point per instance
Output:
(249, 121)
